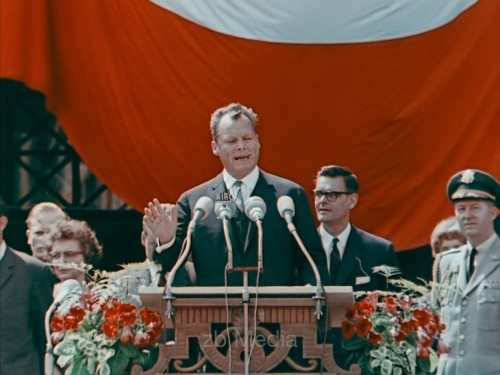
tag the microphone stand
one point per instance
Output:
(225, 226)
(184, 254)
(319, 290)
(49, 353)
(246, 295)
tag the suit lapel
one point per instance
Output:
(7, 266)
(349, 260)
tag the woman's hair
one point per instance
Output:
(80, 231)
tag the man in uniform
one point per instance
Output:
(467, 280)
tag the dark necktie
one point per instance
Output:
(334, 260)
(472, 261)
(239, 196)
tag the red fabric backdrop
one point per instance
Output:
(133, 86)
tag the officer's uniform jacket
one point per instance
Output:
(471, 311)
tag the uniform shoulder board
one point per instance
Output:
(451, 251)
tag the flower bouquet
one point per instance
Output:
(101, 329)
(393, 332)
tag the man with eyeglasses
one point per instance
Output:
(235, 141)
(351, 252)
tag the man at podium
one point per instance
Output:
(235, 141)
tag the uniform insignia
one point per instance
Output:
(467, 176)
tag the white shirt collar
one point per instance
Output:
(3, 249)
(326, 240)
(248, 182)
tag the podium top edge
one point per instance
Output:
(238, 290)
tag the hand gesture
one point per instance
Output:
(161, 219)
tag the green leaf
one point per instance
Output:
(77, 367)
(386, 367)
(364, 364)
(66, 348)
(130, 350)
(118, 363)
(104, 369)
(354, 343)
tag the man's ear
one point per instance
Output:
(3, 222)
(215, 148)
(28, 233)
(353, 200)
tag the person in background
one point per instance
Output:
(73, 242)
(447, 235)
(351, 252)
(467, 280)
(41, 219)
(26, 286)
(236, 142)
(149, 273)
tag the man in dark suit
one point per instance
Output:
(236, 143)
(352, 253)
(25, 295)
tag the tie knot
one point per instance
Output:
(238, 183)
(335, 241)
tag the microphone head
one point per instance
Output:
(65, 288)
(225, 209)
(255, 208)
(204, 204)
(286, 205)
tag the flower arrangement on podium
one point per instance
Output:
(393, 332)
(101, 329)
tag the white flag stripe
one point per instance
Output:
(318, 21)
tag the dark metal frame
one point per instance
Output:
(29, 173)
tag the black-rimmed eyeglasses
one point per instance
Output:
(331, 196)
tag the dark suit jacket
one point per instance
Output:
(282, 257)
(363, 252)
(26, 286)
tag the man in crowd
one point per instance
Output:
(149, 273)
(467, 279)
(25, 295)
(40, 221)
(352, 253)
(236, 143)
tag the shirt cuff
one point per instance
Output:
(160, 248)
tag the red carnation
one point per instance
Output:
(348, 329)
(57, 323)
(363, 327)
(110, 328)
(422, 316)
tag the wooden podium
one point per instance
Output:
(283, 334)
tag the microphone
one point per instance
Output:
(225, 209)
(286, 208)
(201, 210)
(255, 208)
(64, 289)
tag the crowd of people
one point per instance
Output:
(466, 249)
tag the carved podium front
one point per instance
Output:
(283, 336)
